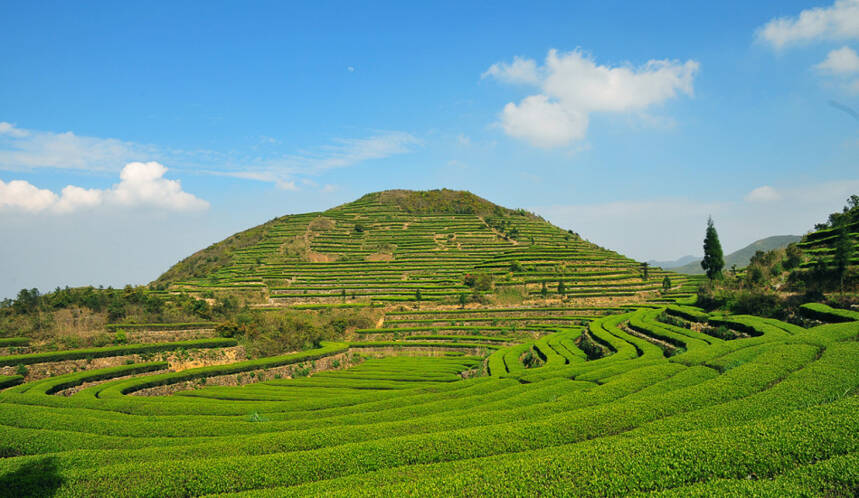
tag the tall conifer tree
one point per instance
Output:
(713, 261)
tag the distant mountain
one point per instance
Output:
(675, 263)
(742, 257)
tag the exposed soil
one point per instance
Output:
(666, 346)
(344, 360)
(177, 360)
(151, 336)
(75, 389)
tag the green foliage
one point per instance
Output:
(793, 257)
(713, 261)
(119, 337)
(478, 281)
(843, 253)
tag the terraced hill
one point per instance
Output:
(408, 246)
(819, 245)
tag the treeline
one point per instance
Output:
(32, 311)
(271, 333)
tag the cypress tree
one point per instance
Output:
(713, 261)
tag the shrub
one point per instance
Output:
(119, 337)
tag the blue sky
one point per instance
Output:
(179, 123)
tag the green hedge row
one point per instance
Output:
(825, 313)
(159, 326)
(6, 342)
(77, 354)
(10, 380)
(53, 385)
(131, 385)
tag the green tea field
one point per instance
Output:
(499, 355)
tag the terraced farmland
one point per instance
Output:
(381, 249)
(612, 388)
(654, 404)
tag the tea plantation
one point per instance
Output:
(564, 369)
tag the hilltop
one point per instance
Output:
(401, 245)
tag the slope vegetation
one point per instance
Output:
(411, 246)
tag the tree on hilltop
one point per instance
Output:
(713, 261)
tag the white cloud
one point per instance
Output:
(763, 194)
(840, 61)
(73, 198)
(140, 185)
(143, 184)
(543, 123)
(328, 188)
(572, 86)
(463, 139)
(350, 69)
(19, 194)
(520, 71)
(840, 21)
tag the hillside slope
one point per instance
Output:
(742, 257)
(400, 245)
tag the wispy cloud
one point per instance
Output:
(26, 149)
(341, 153)
(23, 149)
